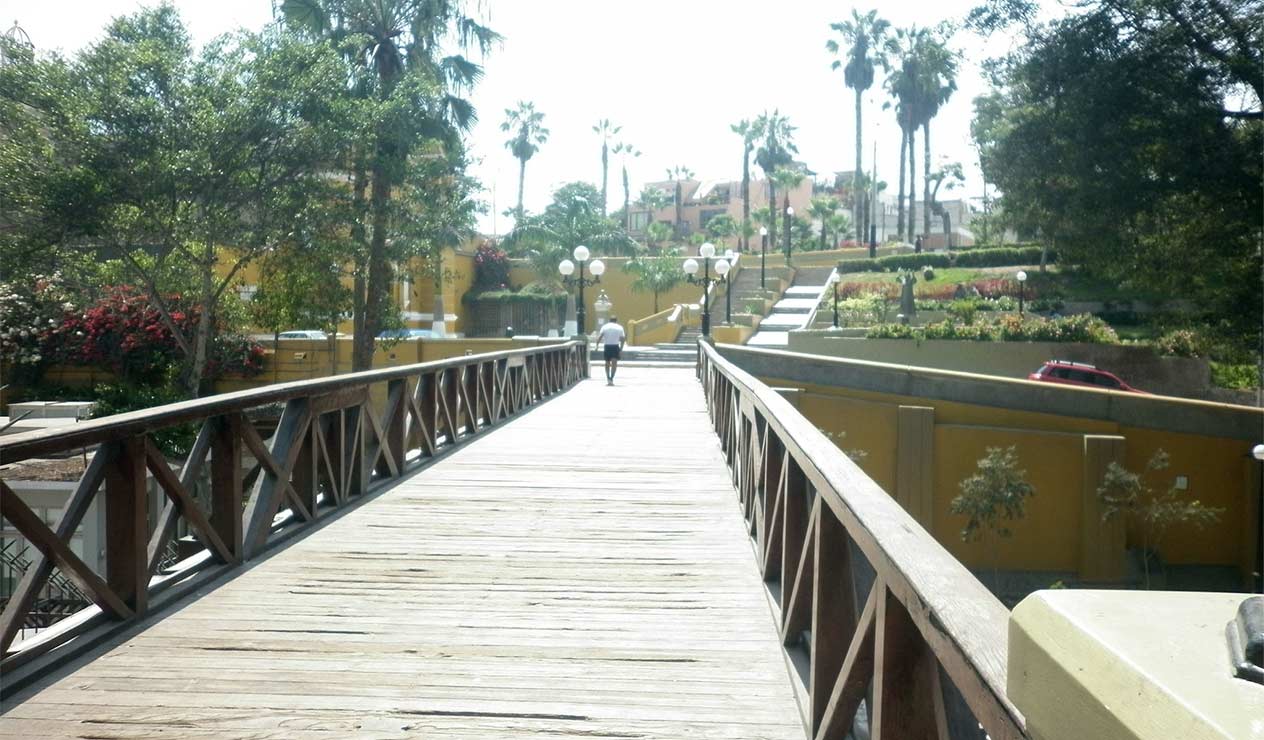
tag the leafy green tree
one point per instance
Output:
(527, 134)
(1126, 495)
(408, 80)
(657, 234)
(302, 288)
(1120, 141)
(605, 131)
(747, 130)
(994, 495)
(721, 227)
(947, 177)
(865, 36)
(653, 200)
(573, 218)
(657, 273)
(166, 156)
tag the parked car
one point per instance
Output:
(1080, 373)
(406, 334)
(303, 334)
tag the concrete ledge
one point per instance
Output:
(1128, 409)
(1129, 666)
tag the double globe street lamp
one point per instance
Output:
(567, 268)
(707, 253)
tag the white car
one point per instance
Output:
(303, 334)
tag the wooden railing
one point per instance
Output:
(336, 440)
(871, 608)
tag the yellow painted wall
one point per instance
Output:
(1048, 538)
(1051, 448)
(617, 282)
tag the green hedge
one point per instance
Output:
(510, 296)
(1084, 328)
(995, 257)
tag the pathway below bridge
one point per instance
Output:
(581, 571)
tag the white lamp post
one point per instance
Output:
(567, 268)
(1022, 289)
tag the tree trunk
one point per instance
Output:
(522, 177)
(202, 336)
(377, 298)
(438, 316)
(772, 213)
(679, 210)
(857, 196)
(823, 235)
(899, 219)
(627, 200)
(358, 236)
(745, 196)
(276, 355)
(926, 178)
(605, 169)
(912, 225)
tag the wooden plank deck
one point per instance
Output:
(581, 571)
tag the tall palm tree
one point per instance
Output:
(527, 126)
(788, 179)
(393, 40)
(606, 131)
(821, 209)
(865, 36)
(626, 151)
(937, 82)
(679, 173)
(901, 83)
(777, 150)
(745, 129)
(839, 225)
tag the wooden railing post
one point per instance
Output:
(394, 423)
(126, 524)
(226, 494)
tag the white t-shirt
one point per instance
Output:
(610, 334)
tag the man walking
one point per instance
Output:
(611, 337)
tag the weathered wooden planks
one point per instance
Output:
(580, 571)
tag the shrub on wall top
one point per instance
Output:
(995, 257)
(1084, 328)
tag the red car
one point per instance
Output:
(1080, 373)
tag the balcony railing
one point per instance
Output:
(336, 440)
(871, 608)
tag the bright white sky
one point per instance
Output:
(674, 74)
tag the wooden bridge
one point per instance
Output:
(407, 552)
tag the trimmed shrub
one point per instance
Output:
(1000, 257)
(1181, 343)
(1079, 328)
(994, 257)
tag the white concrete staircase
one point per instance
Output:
(794, 308)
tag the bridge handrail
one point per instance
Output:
(804, 501)
(330, 448)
